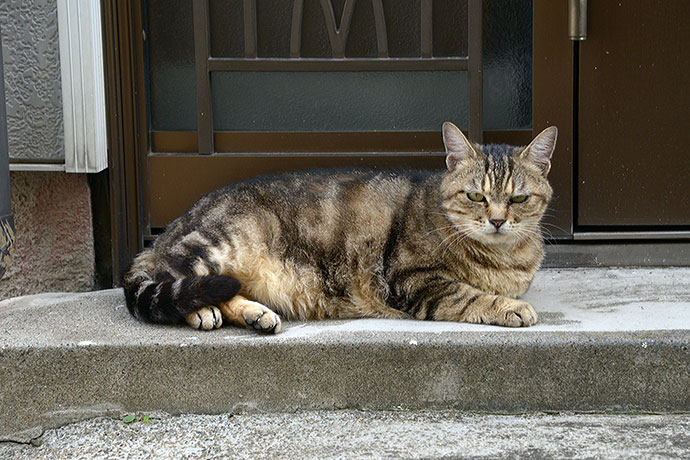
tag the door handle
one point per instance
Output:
(577, 19)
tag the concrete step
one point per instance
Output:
(608, 340)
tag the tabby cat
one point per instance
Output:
(455, 245)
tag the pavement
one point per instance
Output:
(608, 340)
(366, 435)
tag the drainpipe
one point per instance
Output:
(6, 220)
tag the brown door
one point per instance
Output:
(217, 91)
(633, 157)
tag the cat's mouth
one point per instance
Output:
(495, 231)
(496, 235)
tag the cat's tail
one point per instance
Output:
(166, 300)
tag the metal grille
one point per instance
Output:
(206, 63)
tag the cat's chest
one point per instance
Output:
(507, 283)
(507, 278)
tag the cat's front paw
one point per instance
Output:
(502, 311)
(515, 313)
(206, 318)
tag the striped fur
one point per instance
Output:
(354, 243)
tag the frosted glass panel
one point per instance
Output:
(338, 101)
(170, 37)
(507, 64)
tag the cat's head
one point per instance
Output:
(496, 194)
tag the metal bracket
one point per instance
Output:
(577, 19)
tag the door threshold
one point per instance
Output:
(634, 235)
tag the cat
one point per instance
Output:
(452, 245)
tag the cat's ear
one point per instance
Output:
(458, 147)
(539, 151)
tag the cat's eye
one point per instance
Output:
(519, 198)
(474, 196)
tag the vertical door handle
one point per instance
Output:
(577, 19)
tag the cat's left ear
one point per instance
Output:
(539, 151)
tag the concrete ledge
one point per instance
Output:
(608, 340)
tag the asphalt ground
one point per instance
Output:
(365, 435)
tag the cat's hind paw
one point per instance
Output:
(206, 318)
(253, 315)
(261, 318)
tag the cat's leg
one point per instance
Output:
(253, 315)
(488, 309)
(443, 299)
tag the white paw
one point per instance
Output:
(206, 318)
(261, 318)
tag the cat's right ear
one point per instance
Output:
(458, 148)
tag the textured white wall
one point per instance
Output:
(32, 79)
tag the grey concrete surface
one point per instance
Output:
(367, 435)
(608, 340)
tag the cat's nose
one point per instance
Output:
(497, 222)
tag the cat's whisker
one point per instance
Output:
(526, 237)
(535, 229)
(466, 230)
(439, 229)
(456, 241)
(442, 214)
(555, 226)
(550, 210)
(527, 229)
(530, 234)
(445, 239)
(539, 232)
(542, 232)
(460, 239)
(463, 231)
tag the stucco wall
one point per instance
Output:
(54, 239)
(31, 58)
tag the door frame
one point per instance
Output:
(126, 121)
(554, 103)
